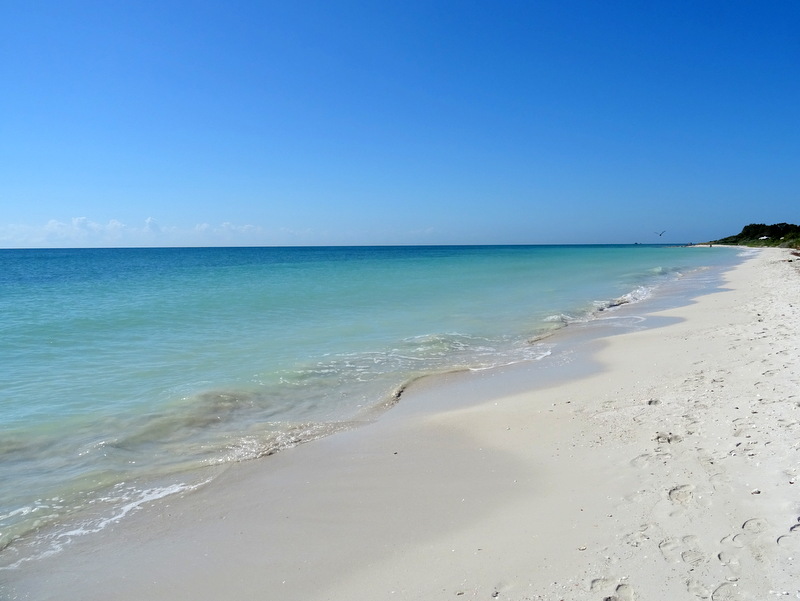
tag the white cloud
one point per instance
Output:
(151, 226)
(83, 232)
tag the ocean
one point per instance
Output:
(126, 375)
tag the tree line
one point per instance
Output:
(786, 235)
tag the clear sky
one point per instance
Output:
(415, 122)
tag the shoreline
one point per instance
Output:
(153, 448)
(634, 480)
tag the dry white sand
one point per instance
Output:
(669, 471)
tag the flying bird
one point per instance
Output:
(661, 233)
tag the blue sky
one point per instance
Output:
(293, 123)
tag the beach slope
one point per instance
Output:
(664, 468)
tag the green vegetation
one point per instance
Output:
(783, 235)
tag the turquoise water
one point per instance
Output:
(123, 367)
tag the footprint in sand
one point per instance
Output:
(790, 543)
(754, 531)
(726, 592)
(753, 537)
(755, 526)
(697, 589)
(598, 584)
(670, 550)
(681, 495)
(692, 557)
(733, 540)
(644, 534)
(622, 593)
(648, 460)
(681, 550)
(720, 483)
(731, 561)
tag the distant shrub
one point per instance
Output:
(784, 235)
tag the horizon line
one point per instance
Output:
(389, 245)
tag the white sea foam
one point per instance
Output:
(748, 252)
(121, 501)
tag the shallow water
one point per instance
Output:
(124, 367)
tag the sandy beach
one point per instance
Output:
(661, 465)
